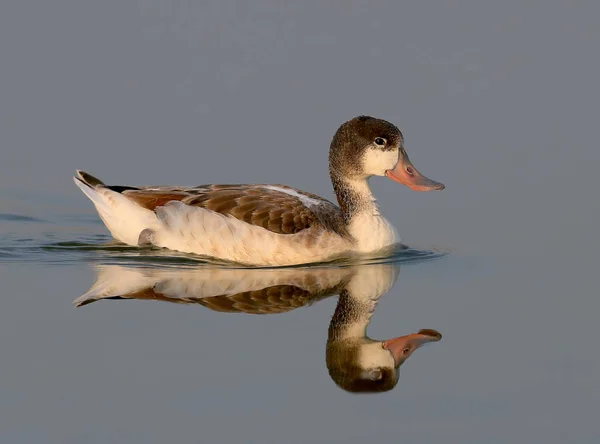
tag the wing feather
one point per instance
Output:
(279, 209)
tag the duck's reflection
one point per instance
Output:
(356, 363)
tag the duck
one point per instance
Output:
(264, 224)
(355, 362)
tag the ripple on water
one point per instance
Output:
(73, 237)
(102, 248)
(9, 217)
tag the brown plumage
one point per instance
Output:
(258, 205)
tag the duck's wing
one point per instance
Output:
(276, 208)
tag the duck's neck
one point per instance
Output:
(369, 229)
(354, 197)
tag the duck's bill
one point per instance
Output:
(405, 173)
(403, 346)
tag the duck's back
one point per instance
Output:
(277, 208)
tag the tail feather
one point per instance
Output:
(124, 218)
(89, 180)
(100, 203)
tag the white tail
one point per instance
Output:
(124, 218)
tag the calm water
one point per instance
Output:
(220, 354)
(497, 101)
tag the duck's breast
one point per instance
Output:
(372, 232)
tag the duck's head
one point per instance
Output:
(366, 146)
(365, 365)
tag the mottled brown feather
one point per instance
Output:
(274, 210)
(151, 199)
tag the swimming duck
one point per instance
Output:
(356, 363)
(269, 225)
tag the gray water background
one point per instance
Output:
(499, 101)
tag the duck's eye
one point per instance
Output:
(406, 351)
(380, 141)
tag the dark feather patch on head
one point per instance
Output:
(352, 138)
